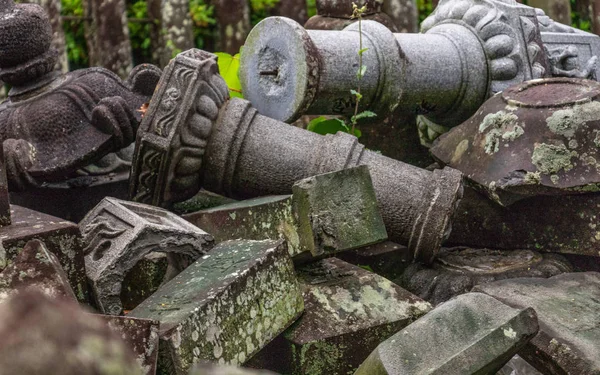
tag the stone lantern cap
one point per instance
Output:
(537, 138)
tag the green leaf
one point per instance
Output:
(229, 67)
(357, 133)
(361, 51)
(357, 94)
(322, 125)
(361, 71)
(364, 114)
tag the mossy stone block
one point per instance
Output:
(226, 306)
(471, 334)
(338, 211)
(349, 311)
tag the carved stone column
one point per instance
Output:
(468, 51)
(193, 136)
(108, 36)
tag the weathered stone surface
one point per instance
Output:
(172, 139)
(4, 198)
(244, 153)
(518, 366)
(226, 306)
(336, 15)
(141, 335)
(457, 270)
(118, 234)
(62, 238)
(468, 50)
(53, 9)
(41, 335)
(536, 138)
(338, 211)
(404, 14)
(348, 312)
(471, 334)
(567, 306)
(144, 279)
(254, 219)
(203, 200)
(294, 9)
(35, 268)
(207, 369)
(565, 224)
(387, 259)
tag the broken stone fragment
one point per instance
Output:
(457, 270)
(241, 154)
(208, 369)
(348, 312)
(35, 268)
(41, 335)
(118, 234)
(567, 306)
(326, 214)
(141, 336)
(470, 334)
(262, 218)
(226, 306)
(537, 138)
(338, 211)
(145, 278)
(62, 238)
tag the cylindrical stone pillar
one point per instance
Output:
(193, 137)
(251, 155)
(287, 71)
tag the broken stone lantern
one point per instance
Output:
(54, 124)
(335, 15)
(468, 50)
(193, 136)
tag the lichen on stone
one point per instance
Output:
(551, 159)
(566, 122)
(500, 126)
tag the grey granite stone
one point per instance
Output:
(468, 50)
(348, 312)
(118, 234)
(226, 306)
(242, 154)
(567, 306)
(471, 334)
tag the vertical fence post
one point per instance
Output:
(233, 22)
(172, 29)
(404, 14)
(558, 10)
(53, 8)
(107, 35)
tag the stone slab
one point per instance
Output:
(262, 218)
(226, 306)
(42, 335)
(61, 237)
(471, 334)
(348, 312)
(568, 308)
(35, 268)
(118, 234)
(338, 211)
(141, 335)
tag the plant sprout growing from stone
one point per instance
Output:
(323, 125)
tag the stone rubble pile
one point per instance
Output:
(243, 245)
